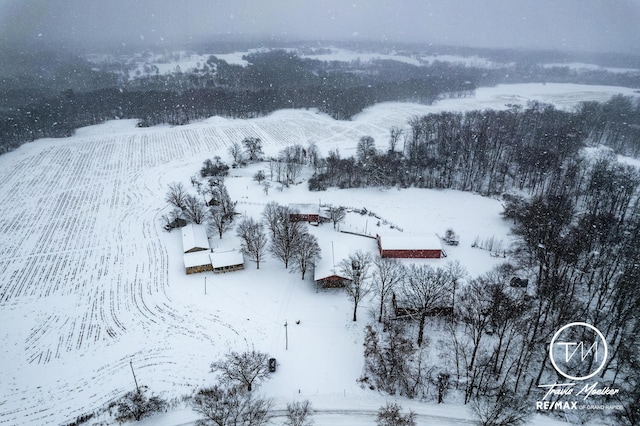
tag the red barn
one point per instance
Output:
(304, 213)
(327, 271)
(410, 247)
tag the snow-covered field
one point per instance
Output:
(89, 280)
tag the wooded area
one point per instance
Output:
(50, 95)
(576, 218)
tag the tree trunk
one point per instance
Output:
(423, 318)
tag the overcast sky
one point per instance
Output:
(585, 25)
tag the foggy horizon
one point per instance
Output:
(572, 25)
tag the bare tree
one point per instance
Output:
(211, 168)
(220, 221)
(194, 209)
(176, 195)
(473, 310)
(271, 215)
(390, 415)
(286, 235)
(387, 274)
(456, 273)
(259, 176)
(356, 270)
(220, 197)
(293, 159)
(313, 156)
(366, 149)
(235, 150)
(230, 407)
(395, 134)
(307, 253)
(276, 167)
(299, 413)
(254, 239)
(247, 368)
(336, 215)
(392, 362)
(507, 410)
(253, 147)
(425, 289)
(135, 405)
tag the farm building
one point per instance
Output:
(404, 311)
(327, 269)
(226, 261)
(304, 213)
(218, 262)
(198, 261)
(410, 247)
(194, 238)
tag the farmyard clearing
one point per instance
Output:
(90, 281)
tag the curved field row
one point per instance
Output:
(84, 271)
(83, 250)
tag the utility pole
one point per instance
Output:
(205, 286)
(286, 336)
(134, 376)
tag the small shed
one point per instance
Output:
(226, 261)
(198, 261)
(410, 246)
(304, 213)
(194, 238)
(327, 272)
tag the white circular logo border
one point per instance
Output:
(582, 324)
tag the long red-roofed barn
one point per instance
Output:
(410, 246)
(304, 213)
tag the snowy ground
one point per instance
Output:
(185, 61)
(90, 282)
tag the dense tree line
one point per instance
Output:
(48, 94)
(488, 152)
(576, 221)
(273, 80)
(615, 123)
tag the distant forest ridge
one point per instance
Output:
(65, 92)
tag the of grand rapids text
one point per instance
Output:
(560, 390)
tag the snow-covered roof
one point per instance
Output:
(220, 259)
(198, 258)
(305, 208)
(329, 264)
(216, 259)
(194, 236)
(410, 242)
